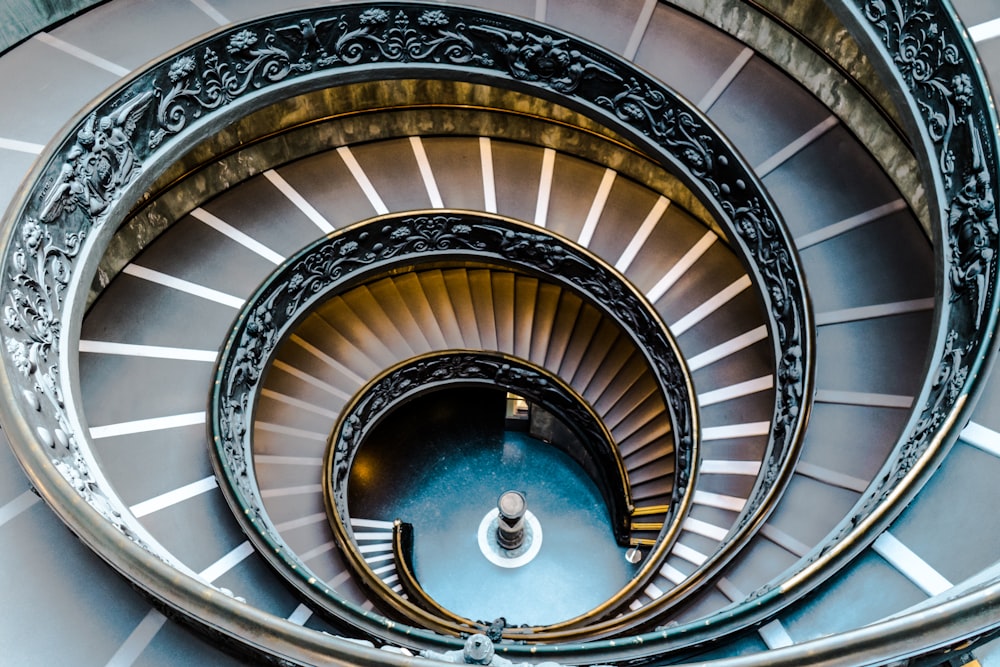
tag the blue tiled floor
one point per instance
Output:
(452, 478)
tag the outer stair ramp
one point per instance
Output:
(148, 344)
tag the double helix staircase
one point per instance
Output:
(188, 262)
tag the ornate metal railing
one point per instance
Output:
(923, 49)
(84, 186)
(595, 450)
(597, 454)
(371, 249)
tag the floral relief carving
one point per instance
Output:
(84, 183)
(332, 263)
(513, 375)
(937, 72)
(934, 66)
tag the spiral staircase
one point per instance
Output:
(753, 246)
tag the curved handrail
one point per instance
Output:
(926, 53)
(458, 368)
(427, 373)
(65, 214)
(402, 554)
(364, 251)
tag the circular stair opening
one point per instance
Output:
(441, 461)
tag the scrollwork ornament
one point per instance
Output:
(642, 105)
(348, 258)
(86, 182)
(545, 59)
(924, 46)
(253, 58)
(926, 57)
(972, 240)
(446, 369)
(252, 61)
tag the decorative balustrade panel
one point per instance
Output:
(89, 181)
(353, 255)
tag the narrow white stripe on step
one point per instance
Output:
(597, 207)
(296, 403)
(149, 351)
(300, 615)
(305, 489)
(723, 350)
(385, 569)
(275, 459)
(871, 312)
(370, 523)
(339, 579)
(82, 54)
(291, 431)
(180, 285)
(147, 425)
(721, 501)
(639, 30)
(727, 467)
(681, 267)
(775, 635)
(784, 540)
(838, 228)
(21, 146)
(736, 391)
(306, 556)
(703, 528)
(984, 438)
(236, 235)
(792, 149)
(645, 229)
(19, 504)
(910, 565)
(307, 520)
(540, 10)
(308, 379)
(292, 195)
(831, 477)
(426, 173)
(710, 306)
(376, 536)
(138, 640)
(984, 31)
(730, 590)
(545, 186)
(688, 554)
(180, 494)
(362, 180)
(226, 563)
(374, 548)
(489, 183)
(672, 573)
(381, 558)
(735, 431)
(211, 12)
(863, 398)
(727, 77)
